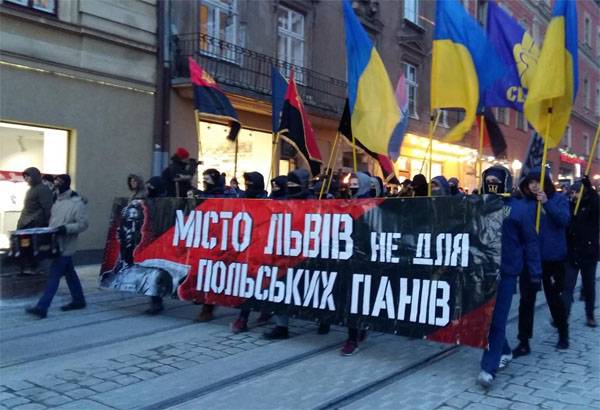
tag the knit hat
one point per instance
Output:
(182, 153)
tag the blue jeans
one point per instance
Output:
(497, 343)
(63, 265)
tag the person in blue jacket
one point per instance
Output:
(440, 186)
(520, 249)
(555, 219)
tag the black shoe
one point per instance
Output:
(36, 311)
(155, 309)
(277, 333)
(521, 350)
(562, 344)
(323, 328)
(73, 306)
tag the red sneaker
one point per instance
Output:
(239, 326)
(350, 347)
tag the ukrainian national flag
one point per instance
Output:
(464, 64)
(555, 81)
(210, 101)
(374, 112)
(295, 128)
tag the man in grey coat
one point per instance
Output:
(69, 217)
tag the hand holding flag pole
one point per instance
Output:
(328, 170)
(587, 169)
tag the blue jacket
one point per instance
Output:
(520, 242)
(555, 219)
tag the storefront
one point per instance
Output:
(23, 146)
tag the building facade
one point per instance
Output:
(77, 89)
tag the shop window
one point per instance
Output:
(290, 39)
(411, 10)
(410, 73)
(218, 25)
(21, 147)
(44, 6)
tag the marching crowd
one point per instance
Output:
(567, 243)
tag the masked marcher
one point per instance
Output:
(583, 247)
(69, 216)
(440, 186)
(176, 176)
(406, 189)
(419, 185)
(454, 185)
(555, 218)
(279, 187)
(520, 249)
(377, 187)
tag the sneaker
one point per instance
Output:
(522, 349)
(277, 333)
(206, 314)
(73, 306)
(155, 309)
(505, 360)
(36, 311)
(591, 322)
(323, 328)
(485, 379)
(264, 318)
(562, 344)
(239, 326)
(350, 347)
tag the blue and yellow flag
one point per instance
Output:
(375, 116)
(554, 83)
(464, 64)
(520, 54)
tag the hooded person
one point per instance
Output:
(406, 189)
(255, 185)
(177, 175)
(520, 252)
(454, 184)
(360, 185)
(279, 187)
(583, 247)
(440, 186)
(377, 188)
(69, 216)
(419, 185)
(38, 201)
(136, 186)
(555, 218)
(297, 184)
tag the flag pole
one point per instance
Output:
(538, 215)
(587, 169)
(480, 159)
(432, 126)
(197, 121)
(354, 153)
(333, 147)
(275, 139)
(235, 159)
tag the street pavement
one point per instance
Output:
(113, 356)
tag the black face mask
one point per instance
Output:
(353, 191)
(373, 193)
(60, 186)
(453, 189)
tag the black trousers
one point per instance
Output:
(588, 284)
(553, 279)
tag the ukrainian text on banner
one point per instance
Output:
(421, 267)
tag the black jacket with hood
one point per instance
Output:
(583, 233)
(38, 202)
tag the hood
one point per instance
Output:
(279, 187)
(534, 175)
(419, 185)
(297, 184)
(377, 188)
(213, 182)
(34, 174)
(140, 191)
(156, 187)
(255, 184)
(364, 185)
(444, 187)
(500, 173)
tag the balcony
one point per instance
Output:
(248, 73)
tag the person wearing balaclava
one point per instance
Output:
(419, 185)
(440, 186)
(454, 185)
(279, 187)
(555, 219)
(377, 189)
(69, 217)
(583, 247)
(520, 252)
(176, 175)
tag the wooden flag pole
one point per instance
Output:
(235, 159)
(480, 154)
(197, 120)
(432, 128)
(354, 153)
(331, 154)
(538, 215)
(275, 140)
(587, 168)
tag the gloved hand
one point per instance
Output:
(61, 230)
(536, 285)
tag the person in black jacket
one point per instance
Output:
(177, 176)
(582, 247)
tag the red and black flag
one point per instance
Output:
(492, 134)
(295, 128)
(210, 101)
(386, 164)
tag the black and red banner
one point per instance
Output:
(421, 267)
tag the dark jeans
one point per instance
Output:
(497, 343)
(553, 279)
(588, 284)
(62, 265)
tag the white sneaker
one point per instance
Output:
(485, 379)
(505, 359)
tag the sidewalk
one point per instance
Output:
(112, 356)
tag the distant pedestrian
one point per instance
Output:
(69, 216)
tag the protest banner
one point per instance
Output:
(421, 267)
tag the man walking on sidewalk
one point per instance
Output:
(69, 216)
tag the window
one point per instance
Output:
(586, 144)
(218, 22)
(587, 31)
(444, 119)
(568, 135)
(45, 6)
(521, 123)
(290, 38)
(503, 116)
(411, 10)
(410, 72)
(586, 92)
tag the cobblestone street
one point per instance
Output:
(113, 356)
